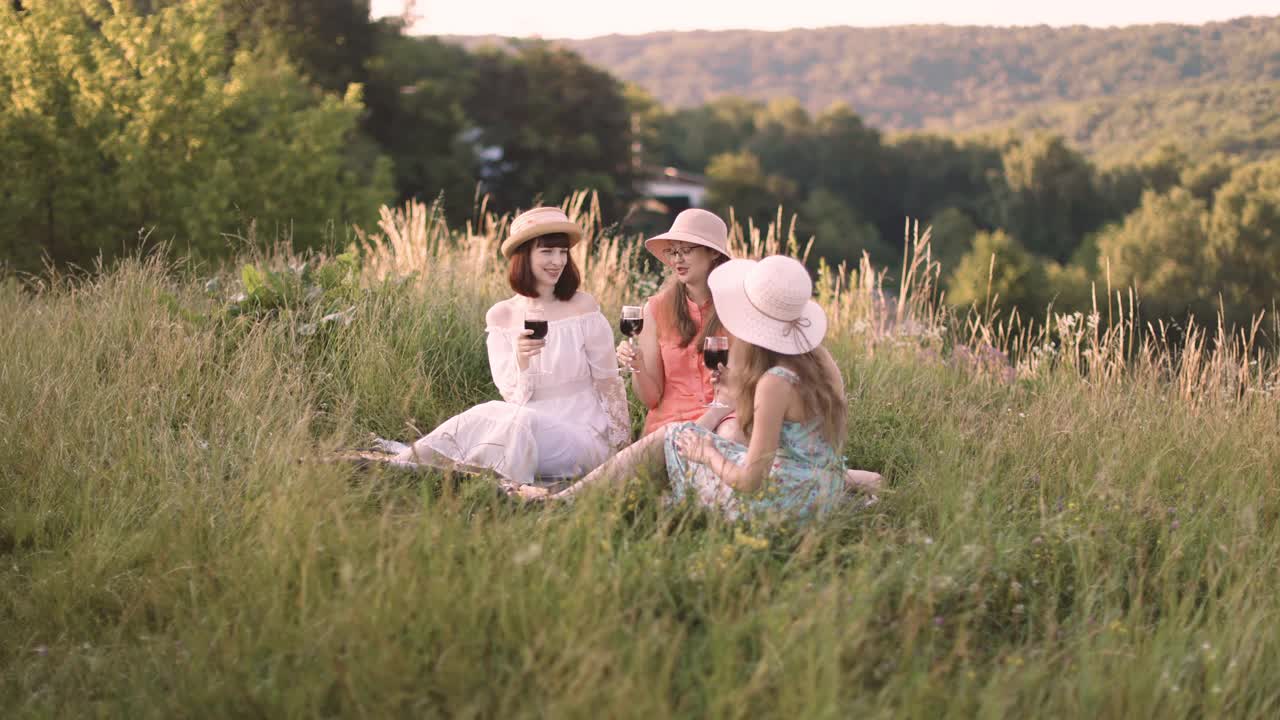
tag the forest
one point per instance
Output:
(1092, 158)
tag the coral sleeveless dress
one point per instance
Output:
(686, 381)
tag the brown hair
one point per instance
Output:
(673, 302)
(818, 394)
(520, 271)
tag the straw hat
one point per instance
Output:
(696, 226)
(537, 222)
(768, 303)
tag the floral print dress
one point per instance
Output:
(805, 480)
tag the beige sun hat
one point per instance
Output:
(696, 226)
(769, 303)
(537, 222)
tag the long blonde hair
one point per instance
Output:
(818, 395)
(673, 303)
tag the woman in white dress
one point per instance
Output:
(563, 409)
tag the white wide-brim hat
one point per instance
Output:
(696, 226)
(538, 222)
(769, 303)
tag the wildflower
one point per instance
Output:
(750, 541)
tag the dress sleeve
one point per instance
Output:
(609, 388)
(512, 384)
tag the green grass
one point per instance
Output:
(171, 547)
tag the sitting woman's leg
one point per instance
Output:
(643, 457)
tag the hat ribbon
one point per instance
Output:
(796, 325)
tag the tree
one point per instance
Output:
(1051, 201)
(999, 268)
(1161, 250)
(929, 173)
(851, 163)
(417, 90)
(688, 138)
(648, 119)
(1244, 240)
(330, 41)
(839, 234)
(952, 237)
(1204, 178)
(1121, 188)
(550, 124)
(785, 141)
(737, 181)
(120, 123)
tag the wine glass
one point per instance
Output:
(535, 320)
(631, 323)
(715, 354)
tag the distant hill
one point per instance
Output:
(953, 78)
(1240, 120)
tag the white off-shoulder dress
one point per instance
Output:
(558, 425)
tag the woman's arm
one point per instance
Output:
(647, 379)
(610, 391)
(773, 395)
(509, 353)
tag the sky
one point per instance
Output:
(587, 18)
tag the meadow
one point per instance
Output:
(1080, 518)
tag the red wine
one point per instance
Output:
(715, 358)
(539, 328)
(631, 327)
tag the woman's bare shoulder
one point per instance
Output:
(583, 304)
(503, 313)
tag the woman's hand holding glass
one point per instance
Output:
(631, 323)
(527, 349)
(531, 341)
(628, 355)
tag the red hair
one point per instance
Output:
(520, 272)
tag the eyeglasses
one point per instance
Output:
(682, 253)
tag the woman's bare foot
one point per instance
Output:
(527, 493)
(863, 481)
